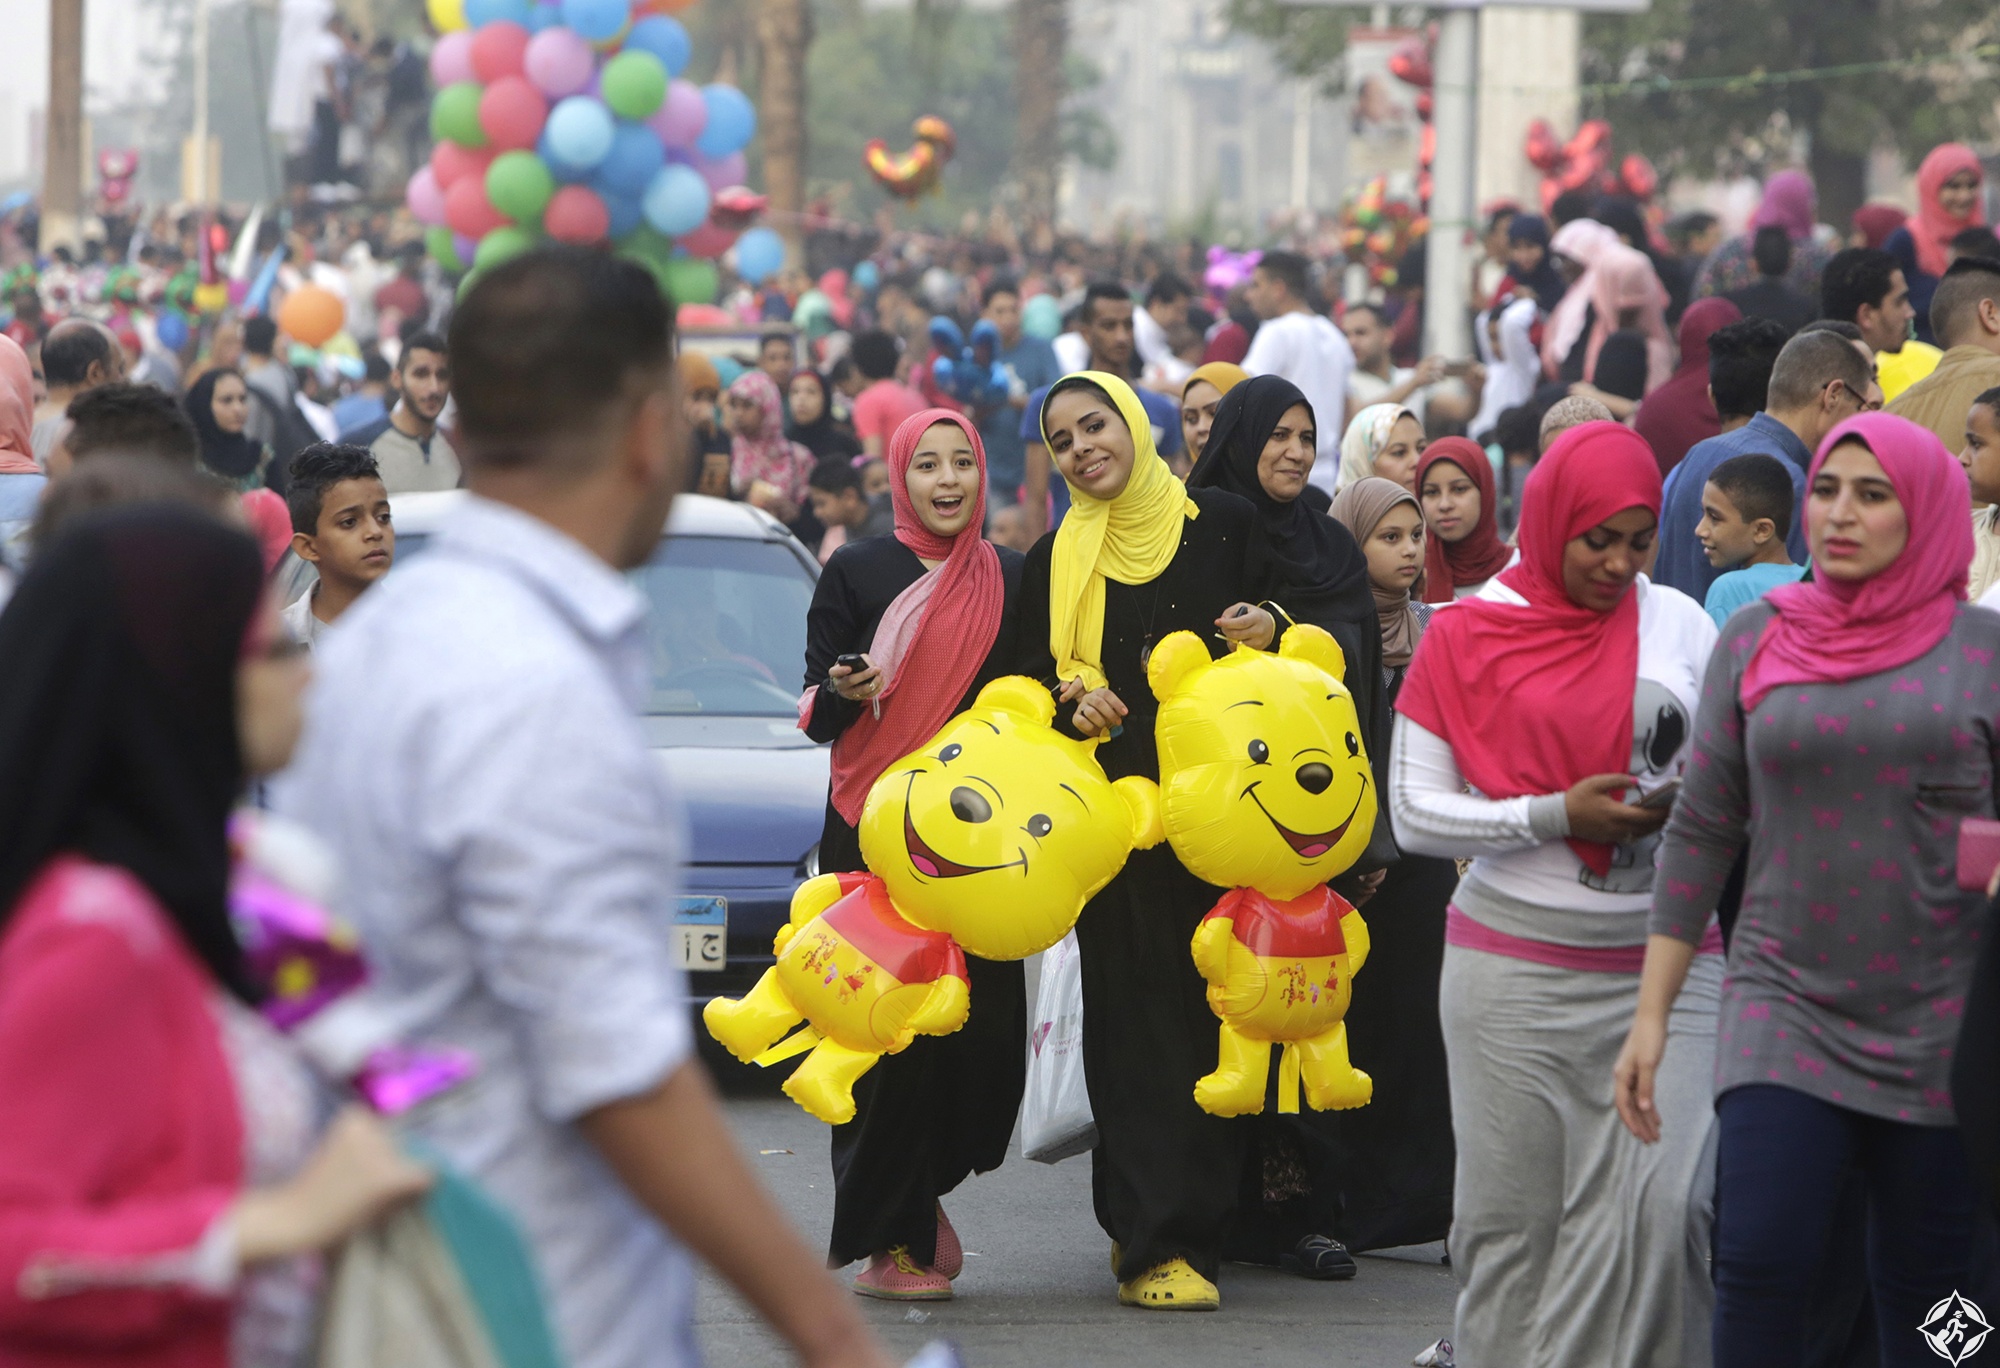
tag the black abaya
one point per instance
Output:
(943, 1108)
(1164, 1171)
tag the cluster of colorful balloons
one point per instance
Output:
(567, 119)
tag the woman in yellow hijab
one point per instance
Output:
(1199, 397)
(1139, 556)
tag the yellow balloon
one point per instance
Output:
(211, 298)
(1266, 790)
(988, 840)
(447, 16)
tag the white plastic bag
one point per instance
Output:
(1055, 1111)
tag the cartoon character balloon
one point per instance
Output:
(988, 841)
(1265, 789)
(912, 174)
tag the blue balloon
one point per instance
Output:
(663, 36)
(677, 200)
(544, 15)
(172, 330)
(758, 253)
(732, 121)
(566, 173)
(865, 277)
(594, 20)
(480, 13)
(580, 132)
(626, 211)
(728, 368)
(635, 158)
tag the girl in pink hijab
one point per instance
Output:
(1577, 247)
(1950, 198)
(1791, 202)
(1626, 296)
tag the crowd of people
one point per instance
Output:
(1670, 621)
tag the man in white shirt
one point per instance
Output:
(1377, 379)
(1153, 327)
(473, 753)
(1304, 347)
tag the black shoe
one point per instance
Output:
(1319, 1258)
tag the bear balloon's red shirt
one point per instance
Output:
(1306, 927)
(868, 921)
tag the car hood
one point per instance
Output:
(749, 806)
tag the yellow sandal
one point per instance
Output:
(1172, 1286)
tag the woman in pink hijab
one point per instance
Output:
(1576, 247)
(931, 612)
(1790, 202)
(1848, 724)
(1626, 296)
(1951, 197)
(21, 480)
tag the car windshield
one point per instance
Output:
(728, 626)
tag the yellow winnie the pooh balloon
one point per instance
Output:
(1265, 789)
(988, 840)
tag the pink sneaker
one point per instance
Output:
(894, 1276)
(950, 1253)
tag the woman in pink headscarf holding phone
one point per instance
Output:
(1848, 724)
(903, 632)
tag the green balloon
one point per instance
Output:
(519, 186)
(647, 246)
(455, 115)
(437, 241)
(691, 280)
(635, 84)
(502, 244)
(465, 285)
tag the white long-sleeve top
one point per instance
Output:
(1524, 876)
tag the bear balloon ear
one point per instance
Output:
(1315, 646)
(1173, 659)
(1019, 696)
(1142, 802)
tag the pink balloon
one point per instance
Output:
(707, 241)
(468, 211)
(512, 112)
(576, 214)
(724, 172)
(449, 162)
(559, 62)
(451, 59)
(497, 50)
(425, 197)
(681, 116)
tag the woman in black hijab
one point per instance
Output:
(219, 406)
(811, 424)
(1261, 446)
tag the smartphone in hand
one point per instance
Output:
(1661, 797)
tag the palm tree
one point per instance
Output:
(1041, 34)
(784, 33)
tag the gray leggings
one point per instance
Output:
(1575, 1244)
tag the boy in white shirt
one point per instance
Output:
(341, 524)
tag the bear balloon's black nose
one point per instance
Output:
(969, 806)
(1315, 778)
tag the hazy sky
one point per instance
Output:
(116, 33)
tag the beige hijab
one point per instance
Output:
(1360, 507)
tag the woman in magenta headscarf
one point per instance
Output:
(1950, 199)
(931, 611)
(1848, 724)
(1679, 413)
(1790, 202)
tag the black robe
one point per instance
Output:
(944, 1108)
(1164, 1173)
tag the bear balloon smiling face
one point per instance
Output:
(1264, 779)
(1001, 828)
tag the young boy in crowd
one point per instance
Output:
(1981, 458)
(1746, 511)
(839, 501)
(340, 523)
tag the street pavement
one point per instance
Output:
(1037, 1290)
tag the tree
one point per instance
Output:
(784, 36)
(1041, 34)
(1702, 126)
(1304, 42)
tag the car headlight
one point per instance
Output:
(810, 864)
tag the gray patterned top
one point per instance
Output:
(1851, 957)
